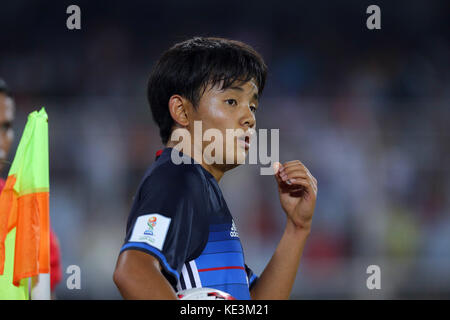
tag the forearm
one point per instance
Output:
(278, 277)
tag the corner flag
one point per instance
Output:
(24, 210)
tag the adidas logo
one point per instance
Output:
(234, 233)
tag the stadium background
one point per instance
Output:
(367, 112)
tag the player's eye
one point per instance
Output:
(231, 102)
(253, 108)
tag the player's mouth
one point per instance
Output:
(245, 141)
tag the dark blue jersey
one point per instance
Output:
(180, 216)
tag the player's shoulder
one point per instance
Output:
(165, 175)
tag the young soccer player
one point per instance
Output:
(180, 233)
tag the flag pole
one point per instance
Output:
(40, 287)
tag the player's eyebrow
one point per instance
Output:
(255, 95)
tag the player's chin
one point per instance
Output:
(240, 155)
(237, 160)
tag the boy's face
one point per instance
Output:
(233, 108)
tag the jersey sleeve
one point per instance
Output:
(252, 277)
(167, 221)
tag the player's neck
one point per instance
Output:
(216, 172)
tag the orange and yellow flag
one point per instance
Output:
(24, 203)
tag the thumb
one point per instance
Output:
(276, 168)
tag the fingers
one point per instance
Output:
(296, 165)
(293, 165)
(296, 173)
(302, 183)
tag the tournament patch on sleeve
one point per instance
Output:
(151, 229)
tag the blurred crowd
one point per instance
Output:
(367, 112)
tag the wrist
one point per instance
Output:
(298, 231)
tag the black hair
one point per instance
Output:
(190, 66)
(4, 88)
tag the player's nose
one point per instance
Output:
(248, 119)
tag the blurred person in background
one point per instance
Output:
(6, 120)
(7, 108)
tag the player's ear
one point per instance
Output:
(178, 108)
